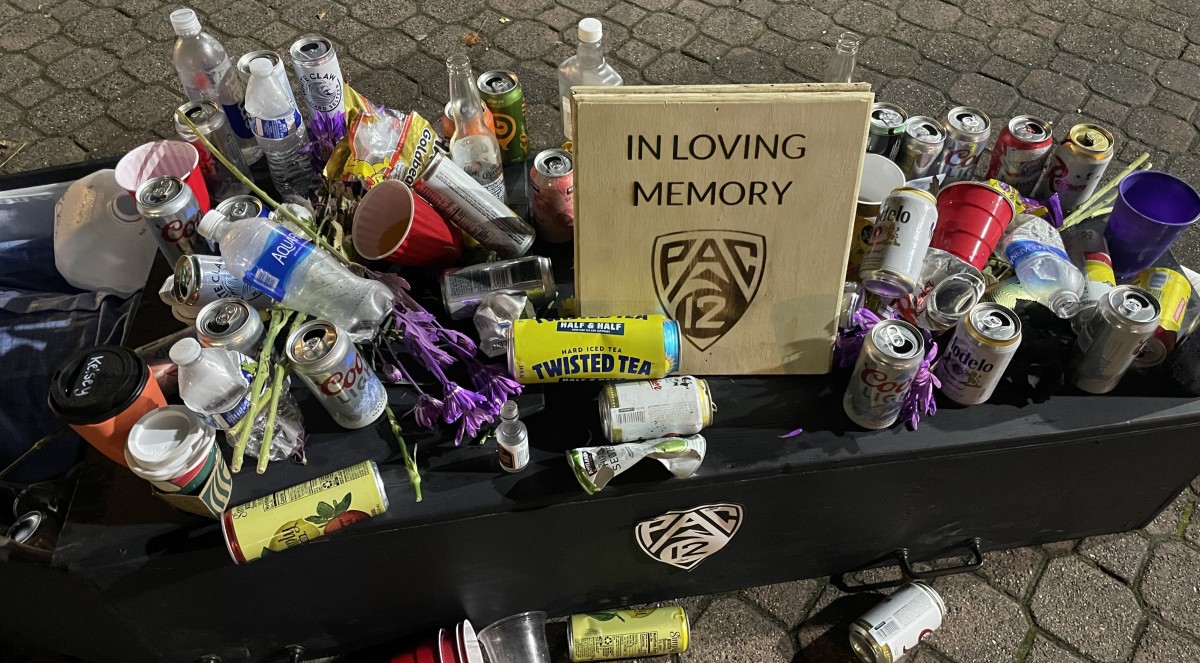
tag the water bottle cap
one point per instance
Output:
(185, 351)
(210, 222)
(261, 67)
(590, 30)
(185, 22)
(124, 208)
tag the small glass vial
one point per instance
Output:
(841, 64)
(512, 439)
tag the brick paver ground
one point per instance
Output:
(92, 78)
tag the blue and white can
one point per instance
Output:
(201, 280)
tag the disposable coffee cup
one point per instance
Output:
(971, 218)
(173, 449)
(391, 223)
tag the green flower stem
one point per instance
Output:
(278, 320)
(410, 461)
(264, 449)
(1098, 198)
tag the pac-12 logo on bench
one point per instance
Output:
(686, 538)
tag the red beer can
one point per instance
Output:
(1020, 154)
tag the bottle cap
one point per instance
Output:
(210, 222)
(124, 208)
(185, 22)
(508, 411)
(185, 351)
(261, 67)
(590, 30)
(97, 384)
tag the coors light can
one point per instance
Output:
(323, 357)
(169, 208)
(891, 353)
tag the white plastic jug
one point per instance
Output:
(100, 240)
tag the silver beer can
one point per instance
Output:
(920, 148)
(891, 353)
(899, 240)
(243, 207)
(465, 203)
(1076, 165)
(232, 324)
(983, 344)
(318, 73)
(169, 208)
(644, 410)
(463, 289)
(897, 624)
(1111, 337)
(967, 133)
(888, 122)
(325, 359)
(211, 121)
(202, 280)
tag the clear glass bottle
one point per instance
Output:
(841, 64)
(512, 439)
(279, 129)
(586, 67)
(473, 146)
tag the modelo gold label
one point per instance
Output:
(616, 634)
(621, 348)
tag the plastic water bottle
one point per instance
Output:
(100, 241)
(299, 274)
(586, 67)
(1036, 252)
(211, 382)
(279, 129)
(207, 74)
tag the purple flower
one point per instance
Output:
(1054, 205)
(325, 131)
(492, 383)
(919, 401)
(791, 434)
(460, 341)
(392, 374)
(849, 340)
(427, 411)
(470, 424)
(460, 401)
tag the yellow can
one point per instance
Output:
(615, 634)
(303, 512)
(1172, 291)
(644, 347)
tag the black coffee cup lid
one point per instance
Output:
(97, 384)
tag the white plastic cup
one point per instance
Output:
(880, 176)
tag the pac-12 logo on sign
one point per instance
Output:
(706, 280)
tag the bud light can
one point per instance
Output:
(323, 357)
(169, 208)
(319, 74)
(984, 343)
(891, 353)
(967, 132)
(899, 241)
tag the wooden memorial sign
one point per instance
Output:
(727, 208)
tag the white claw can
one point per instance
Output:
(899, 241)
(648, 409)
(318, 73)
(326, 361)
(894, 627)
(984, 342)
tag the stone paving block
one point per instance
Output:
(26, 31)
(799, 22)
(1121, 84)
(382, 13)
(1120, 554)
(953, 51)
(34, 92)
(1002, 70)
(932, 73)
(625, 13)
(982, 625)
(1159, 129)
(774, 44)
(103, 136)
(63, 112)
(1071, 65)
(824, 636)
(984, 93)
(1013, 571)
(659, 5)
(1139, 60)
(242, 19)
(1192, 53)
(70, 9)
(908, 34)
(746, 65)
(1023, 48)
(789, 602)
(864, 18)
(383, 47)
(1105, 630)
(1102, 20)
(888, 57)
(130, 110)
(560, 18)
(1171, 585)
(1166, 522)
(728, 632)
(1174, 103)
(915, 97)
(44, 153)
(101, 26)
(665, 31)
(1041, 26)
(732, 27)
(1045, 651)
(1154, 39)
(82, 68)
(637, 53)
(526, 39)
(1162, 645)
(51, 50)
(1059, 10)
(1087, 42)
(150, 65)
(932, 14)
(677, 69)
(113, 86)
(1054, 90)
(17, 70)
(705, 49)
(692, 10)
(760, 9)
(1182, 77)
(809, 60)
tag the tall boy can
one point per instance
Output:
(641, 347)
(1088, 251)
(888, 122)
(323, 357)
(212, 123)
(983, 344)
(465, 203)
(920, 147)
(890, 630)
(967, 132)
(231, 324)
(673, 406)
(552, 184)
(886, 366)
(501, 92)
(1020, 152)
(1172, 290)
(1111, 336)
(617, 634)
(1076, 165)
(298, 514)
(899, 241)
(318, 73)
(169, 208)
(463, 289)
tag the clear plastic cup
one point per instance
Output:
(517, 639)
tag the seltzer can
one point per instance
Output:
(325, 359)
(304, 512)
(318, 73)
(213, 124)
(467, 204)
(1111, 336)
(640, 347)
(967, 133)
(1020, 153)
(552, 185)
(1088, 251)
(501, 91)
(973, 363)
(899, 240)
(169, 208)
(615, 634)
(232, 324)
(243, 207)
(922, 144)
(897, 624)
(891, 353)
(1172, 290)
(201, 280)
(1076, 165)
(888, 122)
(463, 289)
(673, 406)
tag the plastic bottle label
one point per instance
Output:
(229, 418)
(276, 129)
(279, 258)
(1018, 249)
(238, 120)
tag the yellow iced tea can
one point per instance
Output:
(643, 347)
(615, 634)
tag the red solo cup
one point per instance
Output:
(391, 223)
(163, 157)
(971, 218)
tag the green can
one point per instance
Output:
(501, 91)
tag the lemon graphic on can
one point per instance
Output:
(293, 533)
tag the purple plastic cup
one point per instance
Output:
(1150, 211)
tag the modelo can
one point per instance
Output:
(1088, 251)
(975, 359)
(552, 184)
(303, 512)
(1172, 291)
(967, 132)
(1020, 153)
(318, 73)
(899, 240)
(243, 207)
(1111, 336)
(897, 624)
(501, 92)
(202, 280)
(212, 123)
(920, 147)
(615, 634)
(468, 205)
(883, 374)
(169, 208)
(1076, 166)
(679, 405)
(888, 122)
(644, 347)
(323, 357)
(231, 324)
(463, 289)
